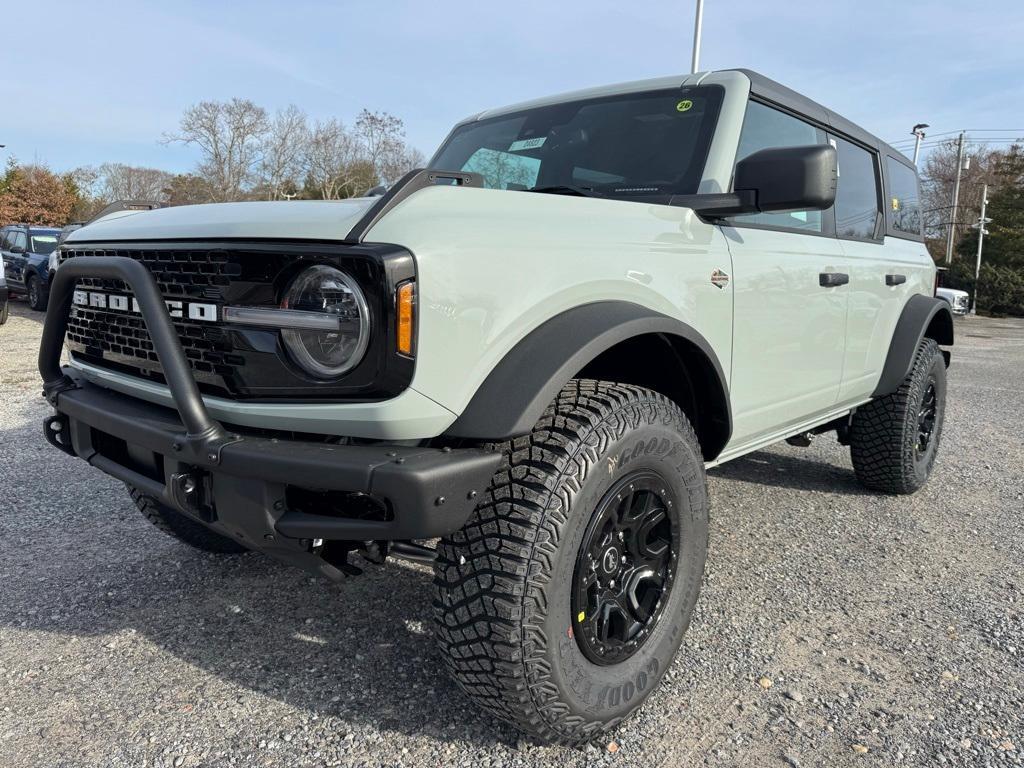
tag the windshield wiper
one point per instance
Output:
(566, 189)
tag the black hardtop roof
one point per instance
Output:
(775, 92)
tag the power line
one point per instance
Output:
(953, 133)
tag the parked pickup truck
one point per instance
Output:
(531, 350)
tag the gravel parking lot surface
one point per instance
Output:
(836, 627)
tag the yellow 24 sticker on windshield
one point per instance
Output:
(684, 105)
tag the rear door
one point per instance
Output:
(789, 316)
(876, 292)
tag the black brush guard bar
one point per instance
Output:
(238, 485)
(201, 430)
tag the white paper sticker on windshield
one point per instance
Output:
(519, 146)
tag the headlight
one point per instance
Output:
(330, 352)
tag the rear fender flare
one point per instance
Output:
(922, 316)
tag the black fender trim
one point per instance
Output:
(921, 316)
(514, 395)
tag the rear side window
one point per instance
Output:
(857, 191)
(766, 128)
(904, 204)
(5, 239)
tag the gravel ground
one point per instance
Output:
(835, 627)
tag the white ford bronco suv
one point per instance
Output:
(531, 350)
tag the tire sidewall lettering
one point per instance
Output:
(624, 692)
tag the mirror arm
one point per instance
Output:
(719, 206)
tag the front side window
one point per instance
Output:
(856, 191)
(765, 127)
(19, 240)
(904, 205)
(646, 146)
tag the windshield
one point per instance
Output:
(638, 145)
(43, 244)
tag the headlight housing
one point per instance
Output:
(327, 353)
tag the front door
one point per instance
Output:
(789, 328)
(790, 301)
(16, 257)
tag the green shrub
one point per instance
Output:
(1001, 289)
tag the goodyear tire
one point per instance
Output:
(182, 528)
(608, 487)
(894, 439)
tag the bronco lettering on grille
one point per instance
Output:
(118, 303)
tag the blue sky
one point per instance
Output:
(102, 81)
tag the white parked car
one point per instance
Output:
(531, 350)
(959, 301)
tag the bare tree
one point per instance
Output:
(332, 160)
(382, 137)
(284, 148)
(187, 189)
(937, 179)
(128, 182)
(230, 135)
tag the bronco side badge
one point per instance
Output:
(719, 279)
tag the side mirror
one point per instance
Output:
(790, 178)
(17, 249)
(772, 180)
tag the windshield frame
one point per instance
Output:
(715, 92)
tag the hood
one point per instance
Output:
(289, 219)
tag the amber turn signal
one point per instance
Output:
(406, 316)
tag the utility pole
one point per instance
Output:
(956, 199)
(695, 61)
(918, 132)
(980, 226)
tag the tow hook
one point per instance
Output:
(57, 433)
(186, 492)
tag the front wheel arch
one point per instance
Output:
(604, 340)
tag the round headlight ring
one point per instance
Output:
(327, 354)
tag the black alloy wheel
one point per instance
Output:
(926, 418)
(625, 568)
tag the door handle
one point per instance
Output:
(833, 279)
(895, 279)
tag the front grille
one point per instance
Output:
(99, 331)
(122, 341)
(232, 360)
(183, 274)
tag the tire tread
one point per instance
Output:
(492, 576)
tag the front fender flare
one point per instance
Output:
(514, 395)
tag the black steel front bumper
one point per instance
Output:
(241, 486)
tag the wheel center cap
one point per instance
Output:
(610, 560)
